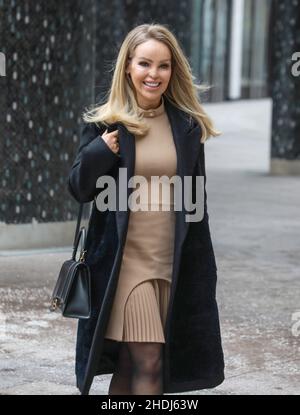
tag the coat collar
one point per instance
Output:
(186, 138)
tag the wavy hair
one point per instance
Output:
(182, 91)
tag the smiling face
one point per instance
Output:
(150, 71)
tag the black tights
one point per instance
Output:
(139, 370)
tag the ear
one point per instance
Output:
(127, 71)
(128, 61)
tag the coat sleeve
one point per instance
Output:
(202, 172)
(94, 158)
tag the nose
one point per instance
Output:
(153, 73)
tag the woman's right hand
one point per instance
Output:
(111, 140)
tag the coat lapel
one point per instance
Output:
(187, 144)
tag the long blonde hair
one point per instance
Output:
(121, 105)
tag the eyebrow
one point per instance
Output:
(164, 60)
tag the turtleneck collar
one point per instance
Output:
(153, 112)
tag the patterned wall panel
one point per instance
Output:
(49, 46)
(285, 88)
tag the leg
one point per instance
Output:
(147, 368)
(120, 383)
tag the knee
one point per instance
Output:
(149, 366)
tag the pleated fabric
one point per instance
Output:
(146, 312)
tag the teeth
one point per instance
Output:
(151, 84)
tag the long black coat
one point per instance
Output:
(193, 356)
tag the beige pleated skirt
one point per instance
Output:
(140, 303)
(146, 312)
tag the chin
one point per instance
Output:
(153, 94)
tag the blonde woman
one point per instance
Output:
(155, 324)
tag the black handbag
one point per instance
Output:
(72, 292)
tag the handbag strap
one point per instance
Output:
(81, 234)
(78, 222)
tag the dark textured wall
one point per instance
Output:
(285, 88)
(48, 46)
(58, 56)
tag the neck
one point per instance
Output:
(150, 105)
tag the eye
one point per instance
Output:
(164, 65)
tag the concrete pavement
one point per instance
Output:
(255, 226)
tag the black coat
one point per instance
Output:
(193, 356)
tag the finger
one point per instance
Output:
(114, 132)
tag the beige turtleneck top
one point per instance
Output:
(148, 251)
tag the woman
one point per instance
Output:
(155, 322)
